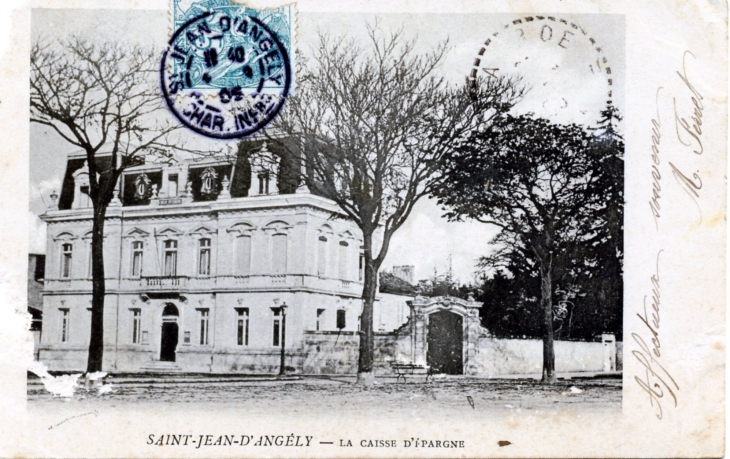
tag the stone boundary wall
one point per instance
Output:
(498, 357)
(327, 353)
(330, 353)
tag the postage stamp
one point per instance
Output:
(364, 229)
(227, 70)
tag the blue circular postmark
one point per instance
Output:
(225, 74)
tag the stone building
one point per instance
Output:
(199, 259)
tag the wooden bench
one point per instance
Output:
(410, 369)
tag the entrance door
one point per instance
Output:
(445, 343)
(169, 341)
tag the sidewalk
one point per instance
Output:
(204, 378)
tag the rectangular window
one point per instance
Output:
(40, 267)
(279, 254)
(137, 254)
(66, 258)
(343, 260)
(341, 315)
(170, 258)
(172, 187)
(361, 268)
(65, 323)
(204, 258)
(277, 327)
(320, 319)
(204, 316)
(244, 255)
(242, 326)
(136, 326)
(322, 256)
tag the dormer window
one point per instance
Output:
(264, 183)
(81, 197)
(172, 185)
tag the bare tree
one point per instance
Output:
(101, 98)
(371, 124)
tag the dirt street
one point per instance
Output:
(327, 394)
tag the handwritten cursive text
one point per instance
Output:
(656, 381)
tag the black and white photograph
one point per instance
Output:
(304, 230)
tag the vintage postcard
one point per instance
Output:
(363, 229)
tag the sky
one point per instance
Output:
(559, 64)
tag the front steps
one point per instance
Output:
(161, 367)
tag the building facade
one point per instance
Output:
(199, 258)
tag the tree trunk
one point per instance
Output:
(365, 375)
(96, 343)
(546, 300)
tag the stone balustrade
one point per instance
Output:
(210, 283)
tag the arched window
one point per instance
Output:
(84, 197)
(204, 257)
(264, 183)
(322, 256)
(343, 261)
(170, 258)
(137, 254)
(66, 259)
(278, 252)
(243, 252)
(89, 260)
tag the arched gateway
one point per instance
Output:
(444, 333)
(445, 343)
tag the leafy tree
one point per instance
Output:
(536, 181)
(509, 311)
(102, 98)
(444, 285)
(390, 283)
(371, 125)
(605, 284)
(588, 279)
